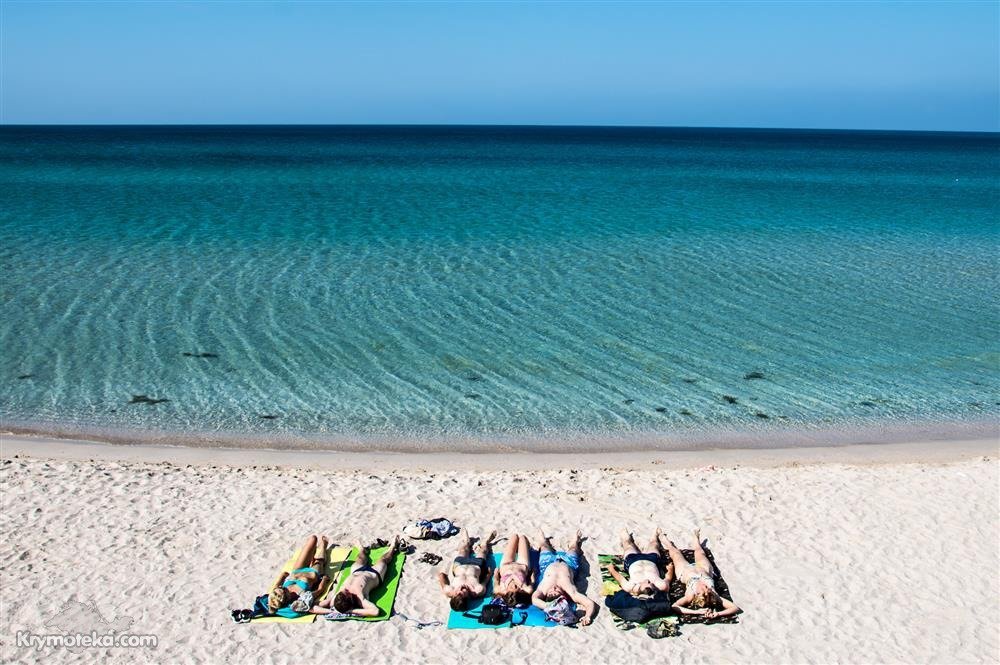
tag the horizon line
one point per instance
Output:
(502, 125)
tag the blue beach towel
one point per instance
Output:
(535, 617)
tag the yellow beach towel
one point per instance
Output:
(335, 560)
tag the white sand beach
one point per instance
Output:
(883, 554)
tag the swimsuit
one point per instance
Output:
(696, 577)
(469, 561)
(547, 558)
(304, 585)
(635, 556)
(369, 569)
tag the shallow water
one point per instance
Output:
(464, 283)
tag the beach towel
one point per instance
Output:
(532, 615)
(335, 559)
(610, 587)
(384, 595)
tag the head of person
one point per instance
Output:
(276, 599)
(460, 601)
(704, 597)
(345, 601)
(645, 590)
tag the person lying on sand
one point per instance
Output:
(293, 594)
(364, 578)
(468, 573)
(512, 579)
(643, 568)
(557, 573)
(700, 596)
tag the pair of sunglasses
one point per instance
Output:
(242, 616)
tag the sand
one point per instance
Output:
(863, 554)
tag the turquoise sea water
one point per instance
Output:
(409, 284)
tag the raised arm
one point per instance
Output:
(729, 608)
(281, 580)
(681, 606)
(536, 599)
(622, 582)
(367, 609)
(589, 607)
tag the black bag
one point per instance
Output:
(493, 614)
(628, 607)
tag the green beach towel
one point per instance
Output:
(385, 594)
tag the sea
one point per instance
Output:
(496, 288)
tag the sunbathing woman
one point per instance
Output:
(643, 568)
(364, 578)
(468, 573)
(294, 594)
(700, 596)
(557, 573)
(513, 577)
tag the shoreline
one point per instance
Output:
(857, 452)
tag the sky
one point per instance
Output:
(849, 65)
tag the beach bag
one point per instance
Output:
(493, 614)
(625, 606)
(561, 611)
(430, 529)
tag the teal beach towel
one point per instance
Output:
(534, 616)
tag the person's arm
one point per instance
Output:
(445, 585)
(729, 608)
(281, 580)
(662, 584)
(681, 606)
(622, 582)
(496, 578)
(323, 582)
(589, 607)
(367, 609)
(536, 599)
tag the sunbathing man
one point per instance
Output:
(700, 596)
(512, 579)
(557, 573)
(643, 568)
(468, 573)
(293, 594)
(364, 578)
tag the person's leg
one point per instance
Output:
(700, 558)
(524, 550)
(483, 547)
(305, 554)
(510, 552)
(382, 565)
(546, 544)
(628, 544)
(319, 558)
(363, 558)
(574, 546)
(676, 558)
(465, 546)
(654, 545)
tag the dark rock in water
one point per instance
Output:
(145, 399)
(690, 380)
(685, 412)
(867, 403)
(472, 395)
(753, 375)
(660, 409)
(25, 376)
(473, 377)
(730, 399)
(762, 415)
(268, 416)
(200, 355)
(627, 401)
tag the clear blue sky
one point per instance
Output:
(893, 65)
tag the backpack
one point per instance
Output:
(637, 610)
(430, 529)
(495, 613)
